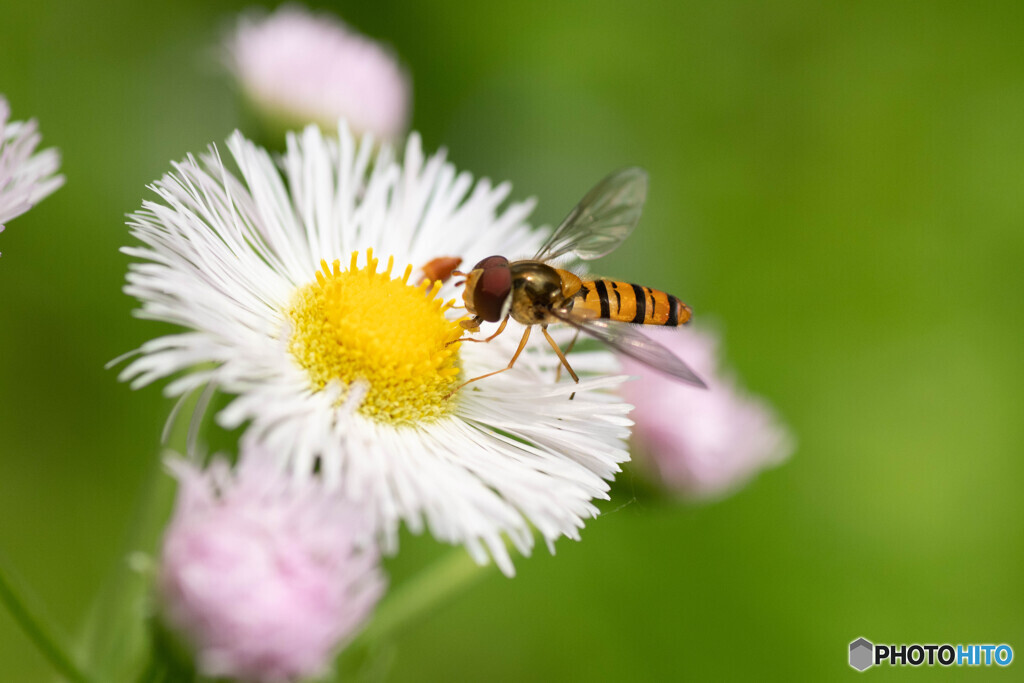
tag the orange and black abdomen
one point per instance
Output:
(629, 303)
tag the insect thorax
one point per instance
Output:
(536, 289)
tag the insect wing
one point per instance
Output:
(603, 218)
(631, 342)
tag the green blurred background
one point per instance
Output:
(842, 185)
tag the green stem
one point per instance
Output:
(116, 634)
(415, 599)
(29, 615)
(115, 630)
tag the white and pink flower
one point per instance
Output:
(26, 176)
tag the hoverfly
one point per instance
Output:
(534, 293)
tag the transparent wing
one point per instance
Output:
(602, 219)
(628, 340)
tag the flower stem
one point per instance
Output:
(29, 615)
(413, 600)
(116, 634)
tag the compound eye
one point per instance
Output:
(493, 288)
(490, 262)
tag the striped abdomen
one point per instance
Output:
(629, 303)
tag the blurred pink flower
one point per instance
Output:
(701, 443)
(26, 177)
(297, 67)
(261, 578)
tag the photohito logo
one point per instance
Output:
(864, 654)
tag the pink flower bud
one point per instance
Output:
(701, 443)
(297, 67)
(260, 578)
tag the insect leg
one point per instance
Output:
(561, 356)
(522, 345)
(558, 373)
(501, 328)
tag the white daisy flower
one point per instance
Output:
(342, 366)
(26, 176)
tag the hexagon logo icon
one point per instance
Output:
(861, 654)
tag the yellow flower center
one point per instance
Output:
(359, 325)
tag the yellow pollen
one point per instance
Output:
(361, 325)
